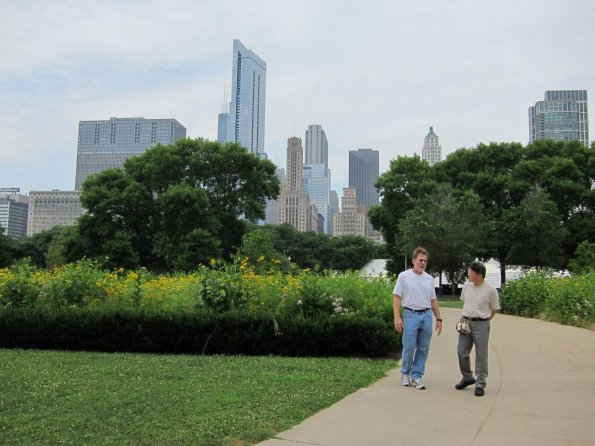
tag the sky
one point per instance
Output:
(374, 74)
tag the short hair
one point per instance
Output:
(478, 268)
(419, 250)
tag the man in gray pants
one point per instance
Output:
(480, 305)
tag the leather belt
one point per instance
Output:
(474, 319)
(417, 311)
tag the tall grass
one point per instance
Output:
(221, 287)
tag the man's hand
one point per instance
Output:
(439, 327)
(399, 325)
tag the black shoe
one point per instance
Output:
(479, 391)
(464, 383)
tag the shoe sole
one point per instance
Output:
(467, 384)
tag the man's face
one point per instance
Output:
(473, 276)
(420, 263)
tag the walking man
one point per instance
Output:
(415, 291)
(480, 305)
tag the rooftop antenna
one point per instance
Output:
(224, 103)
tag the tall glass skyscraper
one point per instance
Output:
(316, 146)
(317, 183)
(247, 107)
(107, 144)
(364, 169)
(562, 115)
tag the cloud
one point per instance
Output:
(373, 74)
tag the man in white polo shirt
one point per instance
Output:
(415, 291)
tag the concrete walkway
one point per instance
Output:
(541, 391)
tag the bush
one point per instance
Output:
(526, 296)
(567, 300)
(571, 300)
(225, 333)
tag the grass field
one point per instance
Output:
(79, 398)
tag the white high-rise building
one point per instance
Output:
(53, 208)
(293, 203)
(432, 150)
(316, 145)
(352, 220)
(245, 122)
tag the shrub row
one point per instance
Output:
(567, 300)
(226, 333)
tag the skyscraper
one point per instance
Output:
(53, 208)
(293, 203)
(317, 175)
(562, 116)
(363, 173)
(108, 144)
(247, 108)
(316, 146)
(431, 151)
(317, 183)
(14, 211)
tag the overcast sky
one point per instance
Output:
(374, 74)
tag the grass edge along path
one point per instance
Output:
(83, 398)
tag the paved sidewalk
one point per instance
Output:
(540, 391)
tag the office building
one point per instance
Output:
(432, 150)
(53, 208)
(352, 220)
(222, 122)
(562, 116)
(245, 121)
(363, 173)
(294, 204)
(272, 206)
(108, 144)
(316, 180)
(14, 211)
(316, 146)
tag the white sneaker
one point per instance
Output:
(418, 383)
(406, 380)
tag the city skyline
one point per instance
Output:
(466, 68)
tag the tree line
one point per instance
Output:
(522, 205)
(179, 206)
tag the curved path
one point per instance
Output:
(541, 391)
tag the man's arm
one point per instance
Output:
(397, 313)
(436, 311)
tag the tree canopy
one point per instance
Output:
(537, 201)
(176, 206)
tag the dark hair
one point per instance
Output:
(419, 250)
(478, 268)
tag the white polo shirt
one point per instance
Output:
(415, 290)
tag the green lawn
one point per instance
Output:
(79, 398)
(450, 302)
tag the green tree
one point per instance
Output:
(176, 206)
(535, 232)
(36, 246)
(6, 251)
(566, 171)
(450, 228)
(350, 252)
(487, 171)
(258, 248)
(584, 258)
(406, 182)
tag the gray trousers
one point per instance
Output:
(479, 336)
